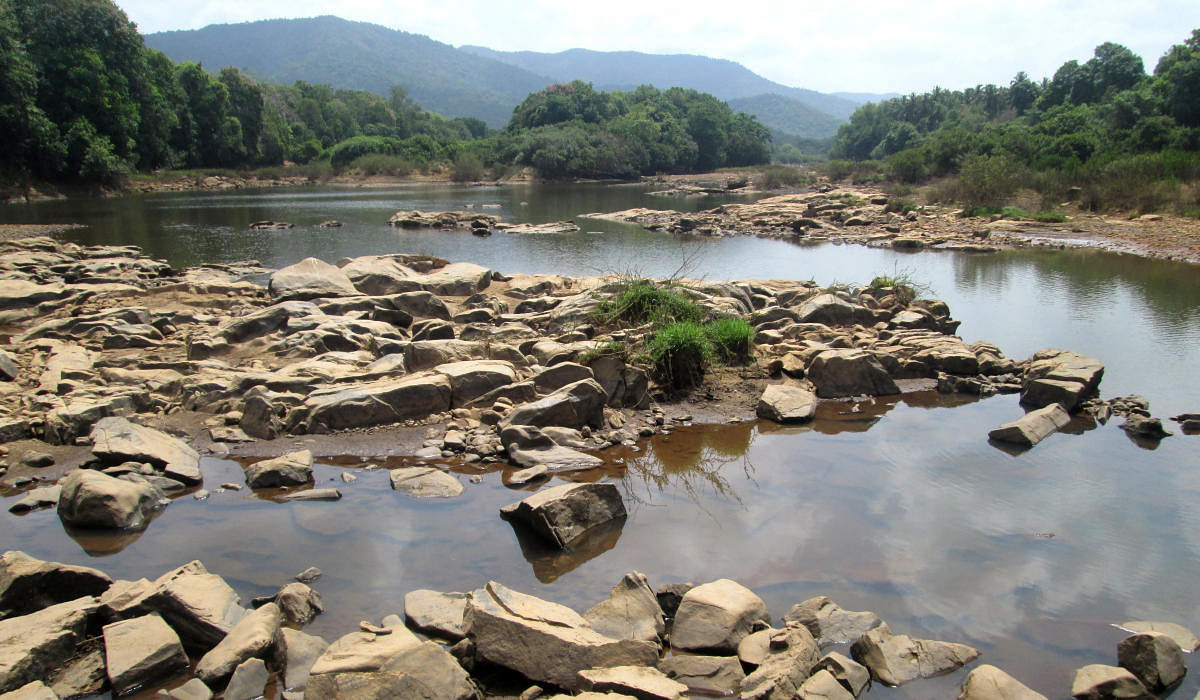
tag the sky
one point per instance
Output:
(872, 46)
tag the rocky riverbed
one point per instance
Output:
(121, 371)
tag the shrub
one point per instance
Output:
(351, 149)
(988, 181)
(467, 167)
(679, 353)
(381, 164)
(900, 283)
(731, 339)
(776, 176)
(900, 205)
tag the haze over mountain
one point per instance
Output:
(479, 82)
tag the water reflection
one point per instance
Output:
(103, 543)
(549, 562)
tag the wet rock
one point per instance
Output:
(313, 495)
(710, 675)
(1182, 635)
(642, 682)
(1044, 392)
(853, 676)
(630, 612)
(849, 372)
(544, 641)
(1033, 427)
(309, 575)
(192, 690)
(28, 584)
(784, 403)
(898, 659)
(1060, 376)
(987, 682)
(362, 651)
(471, 379)
(33, 646)
(1101, 682)
(298, 603)
(828, 622)
(141, 651)
(201, 607)
(310, 278)
(1155, 659)
(254, 636)
(532, 448)
(297, 653)
(1144, 427)
(292, 469)
(784, 670)
(376, 403)
(822, 686)
(425, 482)
(525, 476)
(91, 499)
(248, 681)
(573, 406)
(560, 514)
(37, 460)
(117, 440)
(550, 227)
(716, 616)
(436, 613)
(43, 497)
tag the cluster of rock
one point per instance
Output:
(68, 631)
(217, 183)
(477, 223)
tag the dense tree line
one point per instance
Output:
(1091, 123)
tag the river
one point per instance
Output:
(902, 508)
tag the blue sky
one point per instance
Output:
(843, 45)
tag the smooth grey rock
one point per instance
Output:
(630, 612)
(784, 403)
(987, 682)
(248, 681)
(254, 636)
(716, 616)
(140, 651)
(426, 482)
(292, 469)
(643, 682)
(828, 622)
(436, 613)
(1154, 658)
(544, 641)
(92, 499)
(116, 440)
(310, 278)
(898, 659)
(849, 372)
(1033, 427)
(714, 675)
(28, 584)
(297, 654)
(473, 378)
(1101, 682)
(560, 514)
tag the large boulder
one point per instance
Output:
(140, 651)
(626, 386)
(92, 499)
(849, 372)
(631, 611)
(425, 482)
(785, 403)
(896, 659)
(378, 275)
(544, 641)
(829, 623)
(377, 403)
(255, 636)
(560, 514)
(292, 469)
(454, 280)
(471, 379)
(1154, 658)
(28, 584)
(1101, 682)
(33, 646)
(1060, 376)
(986, 682)
(310, 278)
(716, 616)
(116, 440)
(573, 406)
(1033, 427)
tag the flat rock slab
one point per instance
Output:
(436, 613)
(141, 651)
(784, 403)
(898, 659)
(378, 403)
(200, 606)
(1033, 427)
(641, 682)
(117, 440)
(425, 482)
(560, 514)
(314, 495)
(631, 611)
(33, 646)
(28, 584)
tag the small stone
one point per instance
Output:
(37, 460)
(309, 575)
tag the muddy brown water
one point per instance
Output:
(899, 505)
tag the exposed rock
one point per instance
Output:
(435, 673)
(141, 651)
(784, 670)
(550, 227)
(248, 681)
(1033, 427)
(117, 440)
(754, 647)
(377, 403)
(254, 636)
(716, 675)
(32, 646)
(1044, 392)
(311, 278)
(560, 514)
(1144, 427)
(564, 373)
(201, 607)
(1101, 682)
(292, 469)
(1059, 376)
(313, 495)
(363, 651)
(525, 476)
(987, 682)
(625, 385)
(716, 616)
(298, 603)
(436, 613)
(1154, 658)
(192, 690)
(92, 499)
(630, 612)
(421, 304)
(531, 447)
(828, 622)
(1182, 635)
(573, 406)
(831, 310)
(853, 676)
(471, 379)
(544, 641)
(36, 690)
(297, 653)
(898, 659)
(784, 403)
(425, 482)
(822, 686)
(642, 682)
(849, 372)
(28, 584)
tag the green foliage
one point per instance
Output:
(777, 176)
(679, 354)
(732, 339)
(467, 167)
(899, 282)
(645, 302)
(381, 164)
(899, 205)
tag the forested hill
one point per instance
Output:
(358, 56)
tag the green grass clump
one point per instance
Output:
(900, 283)
(642, 302)
(731, 338)
(611, 348)
(1015, 213)
(679, 354)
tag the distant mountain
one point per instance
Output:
(788, 115)
(360, 56)
(625, 69)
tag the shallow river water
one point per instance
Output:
(903, 507)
